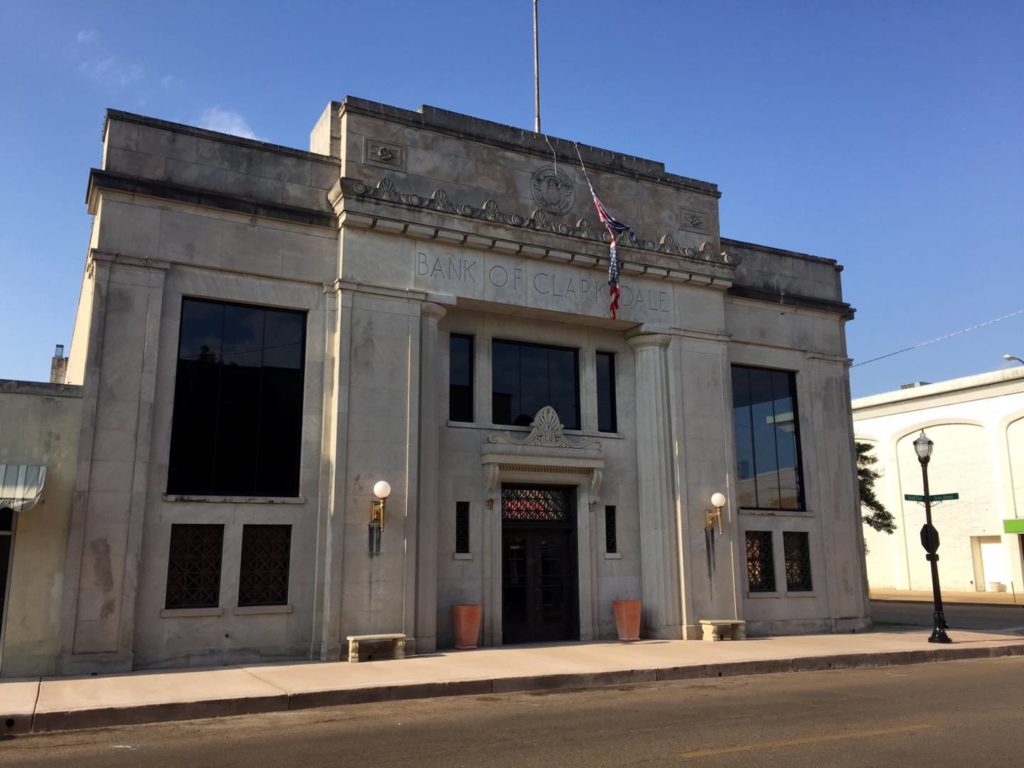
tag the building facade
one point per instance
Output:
(264, 334)
(39, 426)
(977, 425)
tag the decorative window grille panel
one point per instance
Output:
(462, 527)
(760, 562)
(193, 566)
(611, 543)
(263, 575)
(797, 550)
(547, 505)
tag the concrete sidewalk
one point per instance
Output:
(68, 703)
(948, 598)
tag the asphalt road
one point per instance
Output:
(960, 714)
(958, 616)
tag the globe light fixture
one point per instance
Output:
(712, 515)
(381, 490)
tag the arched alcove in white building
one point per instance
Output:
(961, 463)
(1015, 452)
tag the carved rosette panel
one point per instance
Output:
(552, 191)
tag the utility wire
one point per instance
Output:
(940, 338)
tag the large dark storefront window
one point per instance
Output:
(526, 377)
(767, 438)
(237, 425)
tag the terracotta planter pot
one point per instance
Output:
(466, 622)
(627, 619)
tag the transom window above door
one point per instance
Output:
(526, 377)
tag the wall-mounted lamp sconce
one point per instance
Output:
(381, 489)
(712, 515)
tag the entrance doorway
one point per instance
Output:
(540, 594)
(6, 552)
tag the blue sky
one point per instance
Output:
(886, 135)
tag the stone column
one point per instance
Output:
(657, 513)
(431, 419)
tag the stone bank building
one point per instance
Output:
(266, 333)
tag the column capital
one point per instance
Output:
(642, 340)
(432, 311)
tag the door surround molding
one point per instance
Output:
(544, 457)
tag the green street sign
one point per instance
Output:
(933, 497)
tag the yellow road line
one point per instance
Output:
(801, 742)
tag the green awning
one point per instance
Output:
(21, 485)
(1014, 526)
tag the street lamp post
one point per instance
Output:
(930, 541)
(1008, 358)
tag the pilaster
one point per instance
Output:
(338, 344)
(431, 409)
(108, 511)
(660, 575)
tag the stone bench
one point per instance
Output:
(397, 640)
(724, 629)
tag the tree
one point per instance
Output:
(880, 518)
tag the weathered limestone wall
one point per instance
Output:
(38, 425)
(145, 149)
(183, 212)
(787, 273)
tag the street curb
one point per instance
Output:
(946, 601)
(105, 717)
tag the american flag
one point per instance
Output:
(615, 228)
(613, 279)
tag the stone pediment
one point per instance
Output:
(545, 449)
(546, 431)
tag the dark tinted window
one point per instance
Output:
(606, 416)
(462, 527)
(460, 378)
(611, 540)
(526, 377)
(237, 426)
(767, 439)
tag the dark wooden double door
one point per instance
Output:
(540, 593)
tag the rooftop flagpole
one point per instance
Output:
(536, 72)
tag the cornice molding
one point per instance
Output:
(538, 220)
(134, 185)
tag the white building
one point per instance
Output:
(977, 425)
(264, 333)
